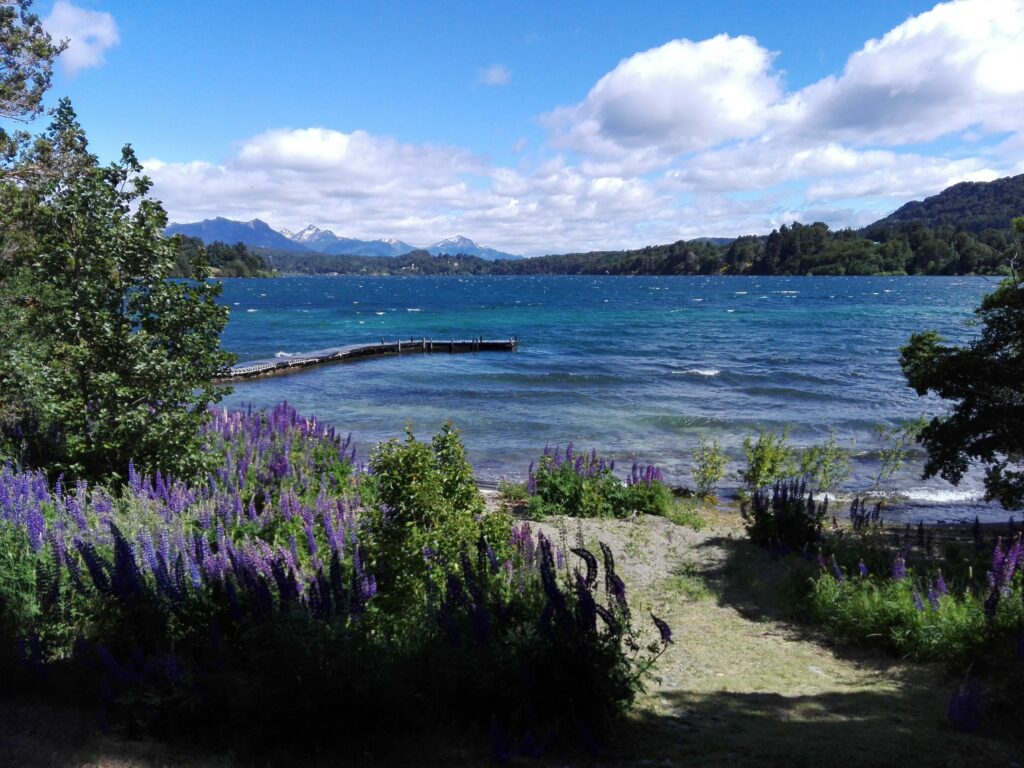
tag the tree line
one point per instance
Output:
(901, 248)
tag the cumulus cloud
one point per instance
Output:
(949, 69)
(496, 74)
(680, 97)
(89, 34)
(692, 138)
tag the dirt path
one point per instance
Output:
(740, 686)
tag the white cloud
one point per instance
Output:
(684, 140)
(496, 74)
(89, 34)
(955, 67)
(677, 98)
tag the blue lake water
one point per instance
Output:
(636, 367)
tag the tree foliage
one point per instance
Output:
(985, 382)
(26, 60)
(26, 65)
(110, 362)
(223, 260)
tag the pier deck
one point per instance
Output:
(295, 363)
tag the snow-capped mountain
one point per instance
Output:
(258, 234)
(325, 241)
(463, 245)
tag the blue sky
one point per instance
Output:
(548, 127)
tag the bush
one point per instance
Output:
(261, 608)
(584, 485)
(769, 460)
(825, 467)
(786, 516)
(921, 615)
(708, 466)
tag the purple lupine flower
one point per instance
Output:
(837, 572)
(933, 597)
(940, 585)
(918, 602)
(899, 568)
(862, 569)
(664, 630)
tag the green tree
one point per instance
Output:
(985, 381)
(111, 361)
(26, 65)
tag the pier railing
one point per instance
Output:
(294, 363)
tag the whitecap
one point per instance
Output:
(378, 313)
(707, 372)
(940, 495)
(285, 354)
(730, 310)
(252, 310)
(413, 309)
(739, 293)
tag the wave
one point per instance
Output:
(940, 495)
(413, 309)
(285, 354)
(698, 372)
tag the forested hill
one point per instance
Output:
(797, 249)
(971, 205)
(224, 260)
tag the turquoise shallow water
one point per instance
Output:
(637, 367)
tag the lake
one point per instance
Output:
(635, 367)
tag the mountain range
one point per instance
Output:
(312, 239)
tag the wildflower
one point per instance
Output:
(940, 585)
(918, 602)
(933, 597)
(664, 630)
(899, 568)
(837, 571)
(862, 569)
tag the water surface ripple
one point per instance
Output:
(637, 367)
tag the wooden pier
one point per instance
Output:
(295, 363)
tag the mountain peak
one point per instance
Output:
(459, 244)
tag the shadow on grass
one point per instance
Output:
(752, 581)
(860, 728)
(901, 720)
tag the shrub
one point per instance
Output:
(246, 611)
(825, 467)
(896, 444)
(584, 485)
(785, 516)
(769, 460)
(708, 466)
